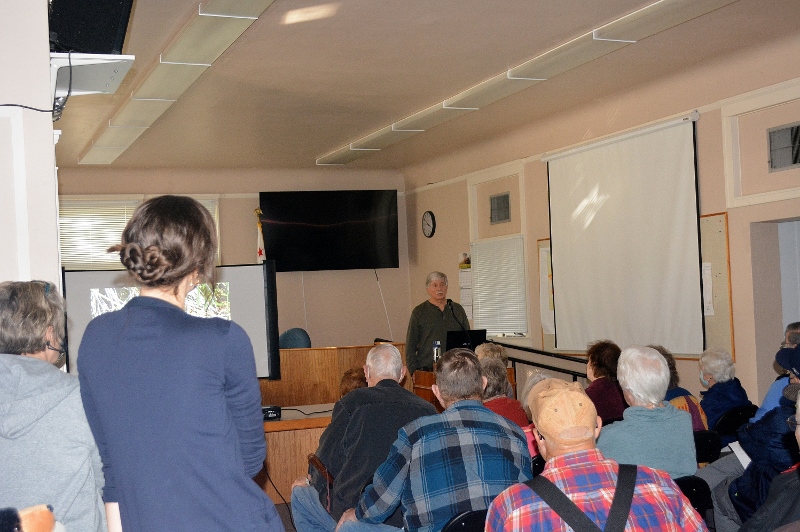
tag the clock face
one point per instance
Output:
(428, 224)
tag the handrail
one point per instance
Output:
(514, 360)
(540, 352)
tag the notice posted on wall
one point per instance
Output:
(708, 290)
(465, 283)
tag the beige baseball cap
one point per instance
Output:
(562, 412)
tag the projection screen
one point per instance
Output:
(625, 242)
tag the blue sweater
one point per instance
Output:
(660, 438)
(174, 405)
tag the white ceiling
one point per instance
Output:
(284, 95)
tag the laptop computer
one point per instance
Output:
(470, 338)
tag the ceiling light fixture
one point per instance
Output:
(622, 32)
(205, 36)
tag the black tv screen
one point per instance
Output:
(330, 230)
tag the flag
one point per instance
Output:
(260, 257)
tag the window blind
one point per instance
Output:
(88, 227)
(499, 302)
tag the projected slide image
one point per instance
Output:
(202, 301)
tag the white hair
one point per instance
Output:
(435, 276)
(644, 374)
(533, 378)
(718, 363)
(384, 361)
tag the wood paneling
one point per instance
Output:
(287, 457)
(311, 376)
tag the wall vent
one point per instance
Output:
(500, 208)
(784, 147)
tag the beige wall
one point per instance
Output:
(441, 252)
(338, 308)
(702, 88)
(28, 192)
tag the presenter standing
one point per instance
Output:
(172, 399)
(430, 321)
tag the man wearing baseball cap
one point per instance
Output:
(566, 429)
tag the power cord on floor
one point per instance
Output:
(281, 496)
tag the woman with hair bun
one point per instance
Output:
(173, 400)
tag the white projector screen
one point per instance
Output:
(625, 244)
(240, 296)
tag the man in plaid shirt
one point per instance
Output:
(446, 464)
(566, 428)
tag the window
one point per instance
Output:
(500, 208)
(498, 274)
(784, 147)
(90, 225)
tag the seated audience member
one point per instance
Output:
(681, 398)
(363, 426)
(492, 350)
(791, 337)
(724, 392)
(534, 377)
(445, 464)
(782, 505)
(653, 432)
(567, 426)
(603, 389)
(495, 395)
(353, 378)
(48, 452)
(739, 490)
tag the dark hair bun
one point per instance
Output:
(147, 265)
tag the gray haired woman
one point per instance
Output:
(49, 454)
(718, 374)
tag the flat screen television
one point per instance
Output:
(245, 294)
(330, 229)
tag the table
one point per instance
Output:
(289, 442)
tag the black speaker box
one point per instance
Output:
(89, 26)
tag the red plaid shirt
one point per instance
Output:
(589, 480)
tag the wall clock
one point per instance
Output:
(428, 224)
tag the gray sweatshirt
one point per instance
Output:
(47, 452)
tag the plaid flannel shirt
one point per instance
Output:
(589, 480)
(446, 464)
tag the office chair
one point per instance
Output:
(294, 338)
(697, 491)
(708, 445)
(471, 521)
(734, 418)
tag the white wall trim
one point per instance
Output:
(755, 101)
(19, 207)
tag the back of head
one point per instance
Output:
(643, 373)
(27, 309)
(563, 414)
(491, 350)
(496, 375)
(458, 375)
(718, 363)
(604, 356)
(533, 378)
(385, 362)
(353, 378)
(674, 378)
(166, 239)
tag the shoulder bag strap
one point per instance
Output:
(562, 505)
(623, 497)
(574, 517)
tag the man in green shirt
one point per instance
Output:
(430, 321)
